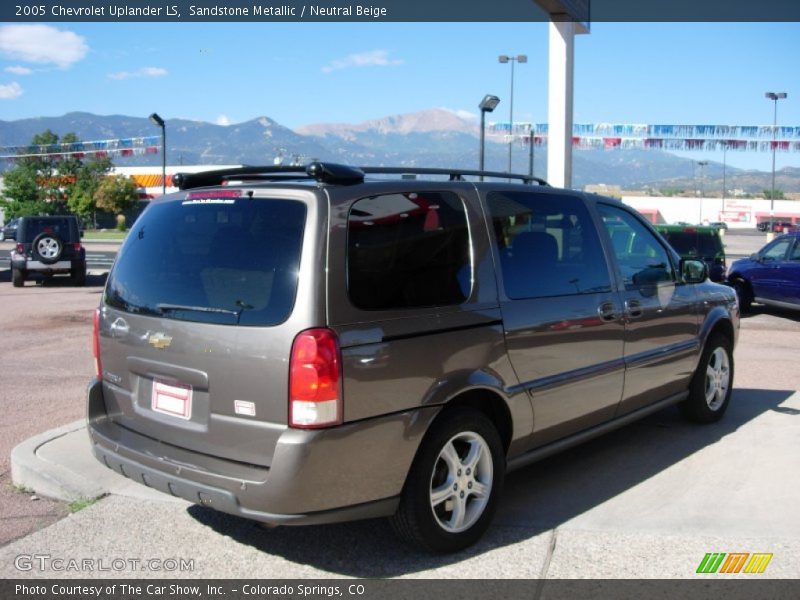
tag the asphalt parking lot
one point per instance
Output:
(647, 501)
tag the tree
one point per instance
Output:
(88, 178)
(778, 195)
(53, 184)
(116, 194)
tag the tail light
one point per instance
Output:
(315, 389)
(20, 249)
(77, 246)
(98, 365)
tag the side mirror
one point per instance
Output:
(81, 232)
(693, 271)
(755, 257)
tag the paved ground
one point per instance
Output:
(646, 501)
(45, 362)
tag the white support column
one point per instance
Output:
(559, 101)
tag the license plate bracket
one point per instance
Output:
(172, 398)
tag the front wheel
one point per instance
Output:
(452, 490)
(744, 294)
(712, 384)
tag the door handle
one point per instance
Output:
(606, 311)
(633, 309)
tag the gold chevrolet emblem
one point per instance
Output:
(159, 340)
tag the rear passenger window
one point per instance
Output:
(548, 245)
(642, 259)
(408, 250)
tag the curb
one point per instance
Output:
(29, 468)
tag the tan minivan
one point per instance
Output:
(321, 344)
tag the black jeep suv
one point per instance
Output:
(49, 246)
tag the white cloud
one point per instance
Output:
(223, 120)
(18, 70)
(10, 91)
(374, 58)
(42, 44)
(143, 72)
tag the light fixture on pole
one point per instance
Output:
(520, 58)
(774, 96)
(488, 104)
(159, 122)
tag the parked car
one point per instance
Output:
(9, 230)
(719, 225)
(777, 226)
(770, 276)
(701, 243)
(48, 246)
(315, 345)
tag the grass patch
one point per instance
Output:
(99, 234)
(80, 504)
(22, 489)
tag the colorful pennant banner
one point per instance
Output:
(694, 144)
(80, 154)
(763, 132)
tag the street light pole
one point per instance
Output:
(520, 58)
(702, 164)
(488, 104)
(159, 122)
(724, 173)
(774, 96)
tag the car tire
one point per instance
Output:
(454, 484)
(17, 277)
(744, 293)
(712, 384)
(78, 275)
(47, 248)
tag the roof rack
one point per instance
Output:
(454, 174)
(326, 172)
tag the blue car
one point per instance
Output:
(771, 276)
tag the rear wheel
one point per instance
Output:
(78, 275)
(712, 384)
(17, 277)
(452, 490)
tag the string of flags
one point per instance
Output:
(135, 146)
(694, 144)
(721, 132)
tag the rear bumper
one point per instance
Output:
(355, 471)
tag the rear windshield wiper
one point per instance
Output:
(165, 307)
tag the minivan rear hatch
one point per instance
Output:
(195, 330)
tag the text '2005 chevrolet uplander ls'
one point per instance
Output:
(333, 344)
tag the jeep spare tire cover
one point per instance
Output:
(47, 248)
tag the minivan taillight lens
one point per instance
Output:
(20, 249)
(98, 365)
(315, 398)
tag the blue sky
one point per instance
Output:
(302, 73)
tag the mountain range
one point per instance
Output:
(431, 138)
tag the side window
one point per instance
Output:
(777, 251)
(408, 250)
(642, 259)
(795, 256)
(547, 244)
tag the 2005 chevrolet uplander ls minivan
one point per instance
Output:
(309, 346)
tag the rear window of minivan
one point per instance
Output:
(230, 261)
